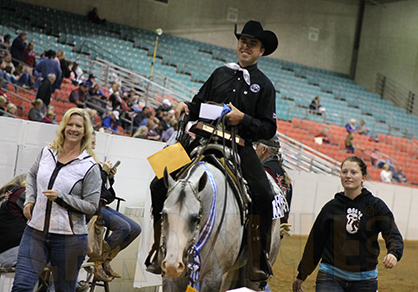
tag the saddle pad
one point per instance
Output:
(173, 157)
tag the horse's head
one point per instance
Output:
(181, 219)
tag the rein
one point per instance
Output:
(195, 266)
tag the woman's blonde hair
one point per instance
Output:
(58, 143)
(19, 180)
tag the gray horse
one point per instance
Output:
(191, 228)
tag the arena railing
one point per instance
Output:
(298, 156)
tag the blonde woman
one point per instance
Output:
(62, 186)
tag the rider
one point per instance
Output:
(251, 98)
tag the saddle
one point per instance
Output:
(222, 158)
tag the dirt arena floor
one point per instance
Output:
(403, 278)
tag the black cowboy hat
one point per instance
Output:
(253, 29)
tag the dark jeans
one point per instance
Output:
(65, 254)
(124, 229)
(326, 283)
(254, 174)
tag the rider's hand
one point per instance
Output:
(181, 108)
(235, 116)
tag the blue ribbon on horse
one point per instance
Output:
(204, 235)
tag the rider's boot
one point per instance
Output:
(152, 263)
(258, 267)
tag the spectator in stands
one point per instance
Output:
(315, 106)
(323, 138)
(349, 143)
(78, 74)
(362, 129)
(386, 174)
(22, 77)
(11, 109)
(45, 91)
(174, 126)
(93, 17)
(5, 45)
(35, 113)
(141, 132)
(2, 104)
(49, 118)
(115, 100)
(63, 64)
(399, 176)
(152, 130)
(165, 106)
(94, 119)
(18, 48)
(141, 118)
(79, 95)
(91, 80)
(69, 72)
(379, 159)
(30, 55)
(13, 223)
(111, 121)
(351, 127)
(50, 65)
(7, 62)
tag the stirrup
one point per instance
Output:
(261, 273)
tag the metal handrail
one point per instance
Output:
(98, 50)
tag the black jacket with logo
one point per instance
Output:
(345, 235)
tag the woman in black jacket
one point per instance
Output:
(345, 237)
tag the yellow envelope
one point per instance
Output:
(173, 157)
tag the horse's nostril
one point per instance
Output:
(163, 265)
(181, 267)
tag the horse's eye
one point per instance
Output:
(196, 218)
(164, 213)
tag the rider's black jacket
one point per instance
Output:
(256, 101)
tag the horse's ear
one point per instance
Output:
(202, 182)
(168, 180)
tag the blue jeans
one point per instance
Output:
(124, 229)
(65, 254)
(326, 283)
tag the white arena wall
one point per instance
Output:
(21, 141)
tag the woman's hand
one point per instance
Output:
(112, 172)
(107, 166)
(27, 211)
(390, 261)
(297, 285)
(52, 195)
